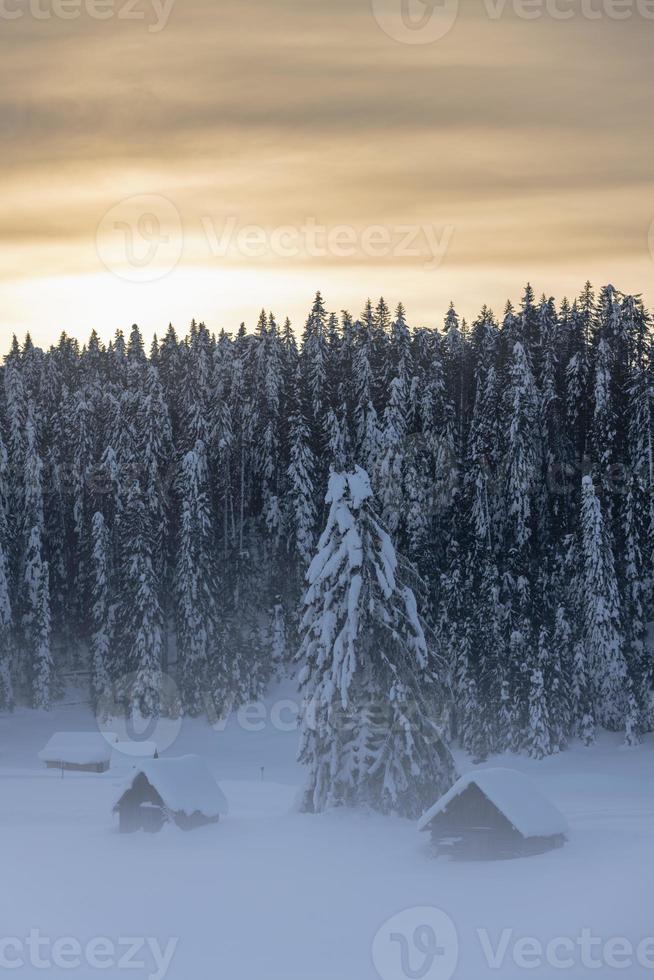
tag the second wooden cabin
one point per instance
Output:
(492, 814)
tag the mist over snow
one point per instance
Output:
(266, 601)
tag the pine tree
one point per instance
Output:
(392, 466)
(6, 635)
(538, 732)
(602, 637)
(473, 735)
(36, 621)
(140, 614)
(200, 661)
(7, 651)
(278, 638)
(102, 609)
(368, 734)
(521, 449)
(301, 470)
(365, 417)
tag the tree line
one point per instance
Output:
(160, 509)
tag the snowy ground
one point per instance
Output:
(271, 894)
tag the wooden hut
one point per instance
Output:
(82, 751)
(180, 790)
(492, 814)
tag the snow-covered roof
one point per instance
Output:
(185, 785)
(77, 748)
(124, 752)
(514, 795)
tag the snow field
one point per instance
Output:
(273, 894)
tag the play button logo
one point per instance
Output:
(417, 944)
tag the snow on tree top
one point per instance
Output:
(356, 483)
(77, 748)
(185, 785)
(514, 795)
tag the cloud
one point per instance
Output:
(528, 137)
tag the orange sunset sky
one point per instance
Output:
(163, 160)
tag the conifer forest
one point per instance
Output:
(447, 532)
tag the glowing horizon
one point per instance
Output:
(517, 144)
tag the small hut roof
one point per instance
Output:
(514, 795)
(76, 748)
(123, 752)
(184, 784)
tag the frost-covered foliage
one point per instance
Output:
(6, 614)
(602, 639)
(371, 696)
(198, 647)
(158, 510)
(102, 610)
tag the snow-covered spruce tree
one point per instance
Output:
(538, 742)
(200, 667)
(6, 635)
(140, 615)
(633, 592)
(268, 359)
(315, 356)
(277, 631)
(604, 418)
(221, 457)
(301, 473)
(577, 377)
(392, 466)
(154, 450)
(371, 698)
(521, 454)
(559, 676)
(487, 615)
(82, 455)
(484, 457)
(397, 475)
(7, 651)
(471, 717)
(15, 412)
(582, 695)
(36, 622)
(601, 610)
(520, 466)
(569, 636)
(366, 421)
(102, 608)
